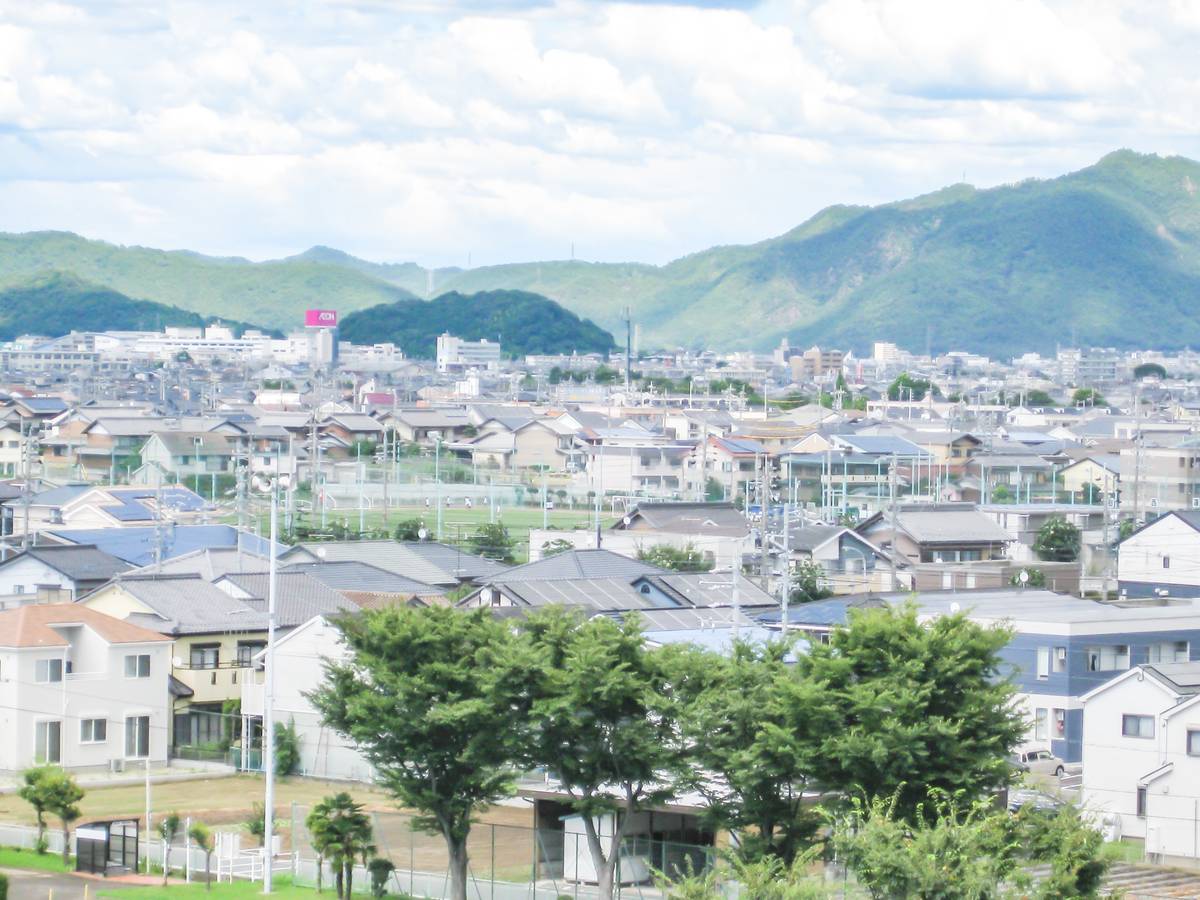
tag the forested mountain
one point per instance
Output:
(56, 304)
(1109, 255)
(520, 321)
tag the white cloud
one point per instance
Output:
(512, 128)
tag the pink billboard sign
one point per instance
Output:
(320, 318)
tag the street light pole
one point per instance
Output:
(269, 702)
(437, 477)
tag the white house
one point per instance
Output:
(299, 668)
(81, 689)
(55, 573)
(1162, 558)
(1141, 756)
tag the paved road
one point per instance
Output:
(26, 885)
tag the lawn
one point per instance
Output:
(12, 858)
(282, 887)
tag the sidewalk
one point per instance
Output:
(176, 770)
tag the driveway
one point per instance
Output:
(24, 884)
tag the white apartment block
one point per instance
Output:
(455, 354)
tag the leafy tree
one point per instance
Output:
(713, 490)
(948, 850)
(1038, 398)
(602, 719)
(916, 707)
(749, 720)
(256, 824)
(409, 530)
(677, 559)
(341, 833)
(1088, 397)
(555, 547)
(202, 837)
(1074, 850)
(809, 582)
(429, 705)
(906, 387)
(493, 541)
(1150, 370)
(1037, 579)
(1092, 493)
(1125, 528)
(34, 791)
(1058, 540)
(62, 796)
(1000, 494)
(381, 870)
(768, 878)
(287, 748)
(168, 829)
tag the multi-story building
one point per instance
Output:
(81, 689)
(455, 354)
(1159, 479)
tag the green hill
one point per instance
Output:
(1109, 255)
(522, 323)
(274, 294)
(56, 304)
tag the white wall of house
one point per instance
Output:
(1115, 764)
(1167, 552)
(27, 575)
(299, 660)
(33, 708)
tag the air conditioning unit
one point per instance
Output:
(1196, 503)
(1061, 654)
(116, 765)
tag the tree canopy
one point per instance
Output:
(1058, 541)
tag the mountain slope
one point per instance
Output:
(274, 294)
(1109, 255)
(56, 304)
(522, 322)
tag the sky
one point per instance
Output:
(456, 131)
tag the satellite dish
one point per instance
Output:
(955, 607)
(320, 553)
(422, 534)
(626, 521)
(260, 483)
(177, 661)
(1024, 576)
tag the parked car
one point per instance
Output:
(1039, 762)
(1023, 798)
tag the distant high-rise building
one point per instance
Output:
(456, 355)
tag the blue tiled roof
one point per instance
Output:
(136, 545)
(131, 509)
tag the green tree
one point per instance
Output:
(493, 541)
(906, 387)
(287, 748)
(809, 582)
(409, 530)
(34, 791)
(749, 720)
(713, 490)
(1058, 541)
(677, 559)
(340, 832)
(916, 707)
(555, 547)
(1073, 849)
(602, 719)
(1088, 397)
(1037, 579)
(1038, 398)
(202, 837)
(426, 699)
(168, 829)
(62, 797)
(948, 850)
(1125, 528)
(1000, 494)
(1150, 370)
(381, 870)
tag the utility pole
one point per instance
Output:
(785, 587)
(268, 760)
(628, 318)
(892, 516)
(1138, 443)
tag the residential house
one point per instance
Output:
(940, 532)
(1094, 478)
(1023, 521)
(428, 562)
(12, 452)
(422, 425)
(84, 507)
(851, 564)
(56, 573)
(80, 689)
(145, 546)
(1141, 757)
(175, 455)
(1162, 558)
(738, 465)
(1161, 477)
(518, 444)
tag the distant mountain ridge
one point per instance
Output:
(57, 303)
(1108, 255)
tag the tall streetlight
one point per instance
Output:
(270, 483)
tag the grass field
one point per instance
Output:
(281, 887)
(12, 858)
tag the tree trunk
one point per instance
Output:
(166, 861)
(41, 838)
(458, 868)
(349, 864)
(207, 877)
(606, 864)
(320, 871)
(66, 843)
(337, 878)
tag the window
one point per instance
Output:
(1169, 652)
(47, 742)
(1193, 743)
(1137, 726)
(1041, 724)
(1060, 723)
(1043, 663)
(93, 731)
(137, 736)
(246, 651)
(137, 665)
(1107, 659)
(1060, 659)
(1167, 559)
(47, 670)
(18, 588)
(205, 656)
(1141, 802)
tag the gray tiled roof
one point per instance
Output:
(426, 561)
(298, 596)
(1185, 676)
(187, 604)
(722, 519)
(353, 575)
(711, 589)
(601, 594)
(810, 537)
(591, 564)
(79, 562)
(210, 563)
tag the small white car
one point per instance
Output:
(1039, 762)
